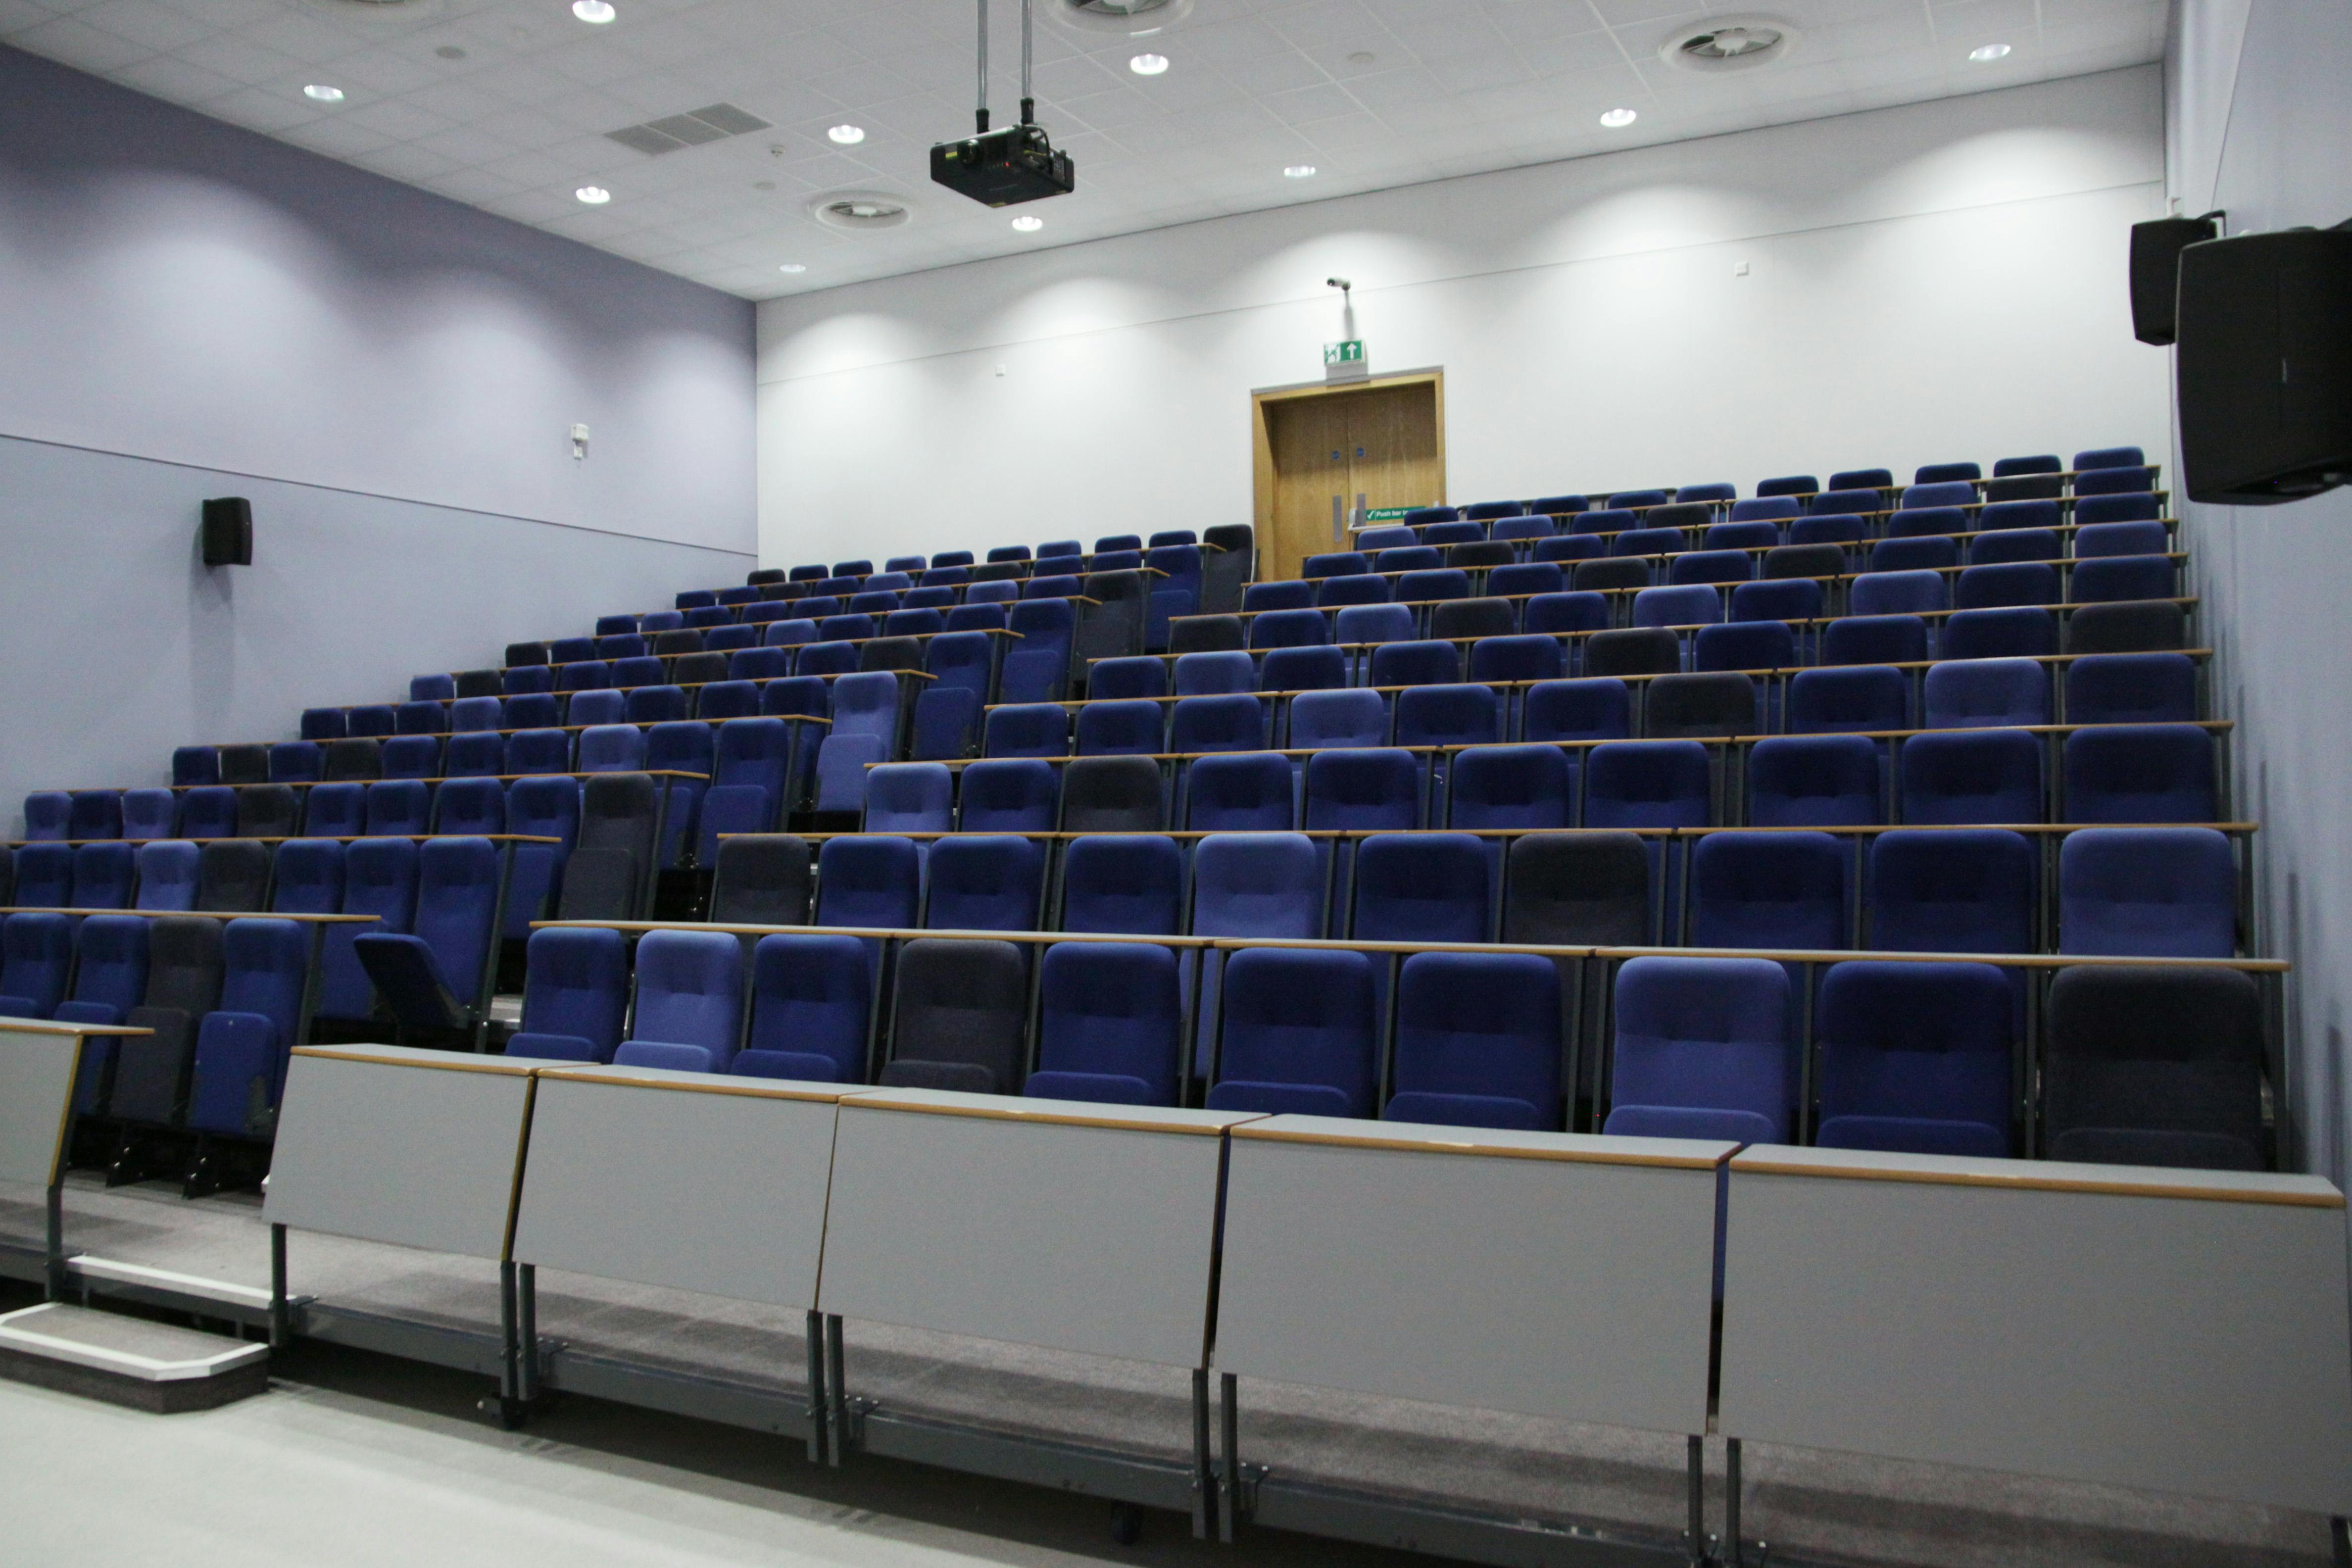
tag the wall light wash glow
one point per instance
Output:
(1571, 297)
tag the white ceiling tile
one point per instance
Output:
(167, 75)
(337, 138)
(259, 108)
(407, 161)
(477, 186)
(238, 59)
(76, 43)
(397, 118)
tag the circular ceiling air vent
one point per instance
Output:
(1728, 44)
(1135, 18)
(861, 212)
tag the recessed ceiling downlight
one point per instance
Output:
(846, 135)
(592, 196)
(861, 212)
(1147, 65)
(1985, 54)
(1028, 223)
(1299, 172)
(319, 92)
(1618, 119)
(792, 267)
(1728, 44)
(1136, 18)
(596, 12)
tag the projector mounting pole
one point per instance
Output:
(1028, 103)
(981, 117)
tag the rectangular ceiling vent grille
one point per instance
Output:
(713, 122)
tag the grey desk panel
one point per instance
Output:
(1465, 1268)
(652, 1177)
(36, 1085)
(1005, 1226)
(2194, 1343)
(419, 1148)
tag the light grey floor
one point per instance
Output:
(1827, 1507)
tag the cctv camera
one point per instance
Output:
(1340, 283)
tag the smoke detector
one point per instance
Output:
(861, 212)
(1728, 44)
(1132, 19)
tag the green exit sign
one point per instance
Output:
(1386, 513)
(1348, 351)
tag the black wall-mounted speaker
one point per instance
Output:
(2263, 367)
(228, 532)
(2155, 250)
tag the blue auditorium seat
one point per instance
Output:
(1915, 1058)
(1205, 674)
(1477, 1041)
(2129, 507)
(811, 1005)
(1010, 795)
(1778, 599)
(689, 1006)
(545, 750)
(1647, 783)
(1359, 588)
(1298, 1033)
(1233, 721)
(1240, 791)
(2140, 773)
(983, 881)
(1927, 522)
(1423, 663)
(35, 960)
(1703, 1050)
(1289, 628)
(1432, 584)
(2111, 578)
(306, 877)
(1691, 605)
(1972, 776)
(1570, 547)
(1522, 786)
(575, 992)
(1976, 693)
(1123, 882)
(1036, 669)
(400, 808)
(2102, 688)
(471, 805)
(1258, 885)
(1769, 889)
(2147, 892)
(1898, 594)
(242, 1046)
(2138, 537)
(1027, 730)
(546, 807)
(1421, 887)
(2022, 631)
(2115, 481)
(2013, 544)
(909, 797)
(167, 875)
(1141, 675)
(652, 705)
(433, 975)
(1109, 1028)
(613, 749)
(1961, 891)
(1119, 726)
(1361, 789)
(1912, 553)
(1521, 658)
(1345, 718)
(1744, 645)
(2011, 582)
(1815, 781)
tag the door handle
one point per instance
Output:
(1337, 509)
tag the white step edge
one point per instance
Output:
(96, 1268)
(19, 1331)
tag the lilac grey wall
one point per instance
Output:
(188, 308)
(2258, 123)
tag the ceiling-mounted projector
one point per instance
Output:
(1018, 163)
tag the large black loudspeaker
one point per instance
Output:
(228, 532)
(2263, 367)
(2155, 250)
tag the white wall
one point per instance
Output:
(1936, 281)
(2258, 125)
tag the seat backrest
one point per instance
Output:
(1109, 1024)
(1448, 716)
(264, 964)
(309, 878)
(150, 814)
(456, 906)
(873, 882)
(399, 806)
(1596, 708)
(167, 875)
(1123, 882)
(959, 1016)
(268, 811)
(2147, 892)
(1482, 617)
(2130, 688)
(2017, 631)
(760, 878)
(1311, 668)
(1299, 1033)
(1744, 645)
(1353, 788)
(1700, 705)
(1577, 889)
(1647, 783)
(1769, 889)
(1952, 890)
(233, 877)
(45, 876)
(102, 874)
(1915, 1058)
(184, 964)
(985, 881)
(1421, 887)
(111, 963)
(1339, 718)
(909, 797)
(1898, 594)
(1634, 651)
(1510, 786)
(1240, 791)
(2147, 625)
(1257, 884)
(1847, 698)
(1477, 1041)
(2140, 773)
(1703, 1050)
(35, 956)
(1815, 781)
(1971, 693)
(2157, 1066)
(690, 993)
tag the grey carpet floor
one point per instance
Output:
(1811, 1504)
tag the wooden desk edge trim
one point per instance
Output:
(1046, 1118)
(738, 1089)
(1495, 1150)
(2047, 1183)
(500, 1067)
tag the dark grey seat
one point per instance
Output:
(1474, 618)
(1112, 626)
(233, 875)
(1611, 571)
(268, 811)
(1206, 634)
(184, 984)
(1227, 569)
(1634, 651)
(1472, 555)
(2128, 625)
(605, 877)
(1804, 561)
(480, 683)
(678, 640)
(959, 1016)
(1112, 794)
(359, 757)
(760, 879)
(1698, 707)
(2155, 1066)
(891, 653)
(244, 765)
(697, 668)
(1577, 889)
(526, 653)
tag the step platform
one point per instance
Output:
(146, 1365)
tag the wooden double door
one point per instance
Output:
(1320, 450)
